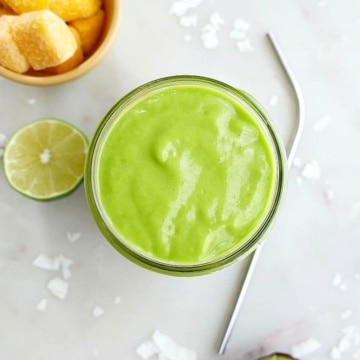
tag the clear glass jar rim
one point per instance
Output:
(108, 121)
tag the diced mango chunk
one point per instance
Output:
(73, 62)
(6, 11)
(10, 55)
(44, 39)
(75, 9)
(22, 6)
(89, 30)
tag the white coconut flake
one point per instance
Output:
(180, 8)
(299, 180)
(42, 305)
(170, 350)
(73, 236)
(58, 287)
(216, 19)
(65, 263)
(210, 30)
(297, 162)
(335, 353)
(187, 38)
(244, 46)
(311, 171)
(337, 280)
(31, 101)
(305, 348)
(98, 311)
(241, 24)
(357, 276)
(147, 349)
(3, 140)
(321, 123)
(356, 354)
(188, 21)
(47, 263)
(274, 100)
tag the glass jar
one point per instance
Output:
(185, 175)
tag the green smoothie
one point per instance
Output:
(186, 174)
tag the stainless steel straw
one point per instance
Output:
(294, 142)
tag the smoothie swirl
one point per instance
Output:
(186, 175)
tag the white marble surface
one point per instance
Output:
(294, 294)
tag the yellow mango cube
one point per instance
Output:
(89, 29)
(22, 6)
(75, 9)
(10, 55)
(73, 62)
(44, 39)
(6, 11)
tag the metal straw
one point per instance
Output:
(295, 139)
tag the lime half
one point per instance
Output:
(45, 159)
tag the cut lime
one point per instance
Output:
(45, 159)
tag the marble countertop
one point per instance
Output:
(306, 286)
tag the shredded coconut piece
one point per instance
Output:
(181, 7)
(3, 140)
(65, 263)
(273, 100)
(187, 38)
(73, 236)
(47, 263)
(58, 287)
(241, 24)
(322, 123)
(209, 31)
(311, 171)
(165, 347)
(188, 21)
(335, 353)
(147, 350)
(349, 340)
(338, 282)
(299, 180)
(357, 276)
(42, 305)
(31, 101)
(305, 348)
(297, 162)
(98, 311)
(170, 349)
(244, 46)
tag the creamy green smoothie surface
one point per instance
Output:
(186, 175)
